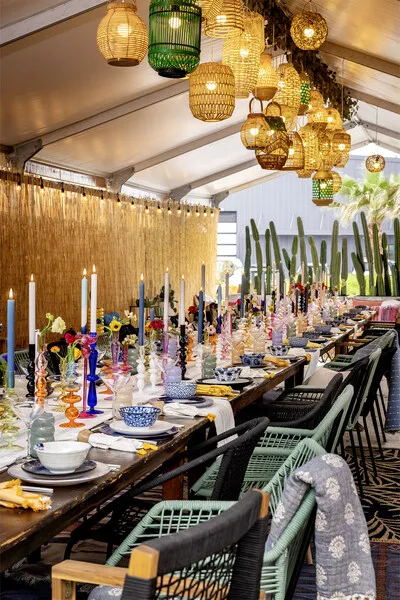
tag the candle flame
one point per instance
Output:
(32, 277)
(166, 270)
(84, 272)
(203, 263)
(141, 277)
(201, 289)
(94, 269)
(183, 277)
(11, 295)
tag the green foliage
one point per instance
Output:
(259, 258)
(369, 254)
(247, 260)
(345, 267)
(268, 261)
(359, 273)
(357, 241)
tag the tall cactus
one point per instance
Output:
(359, 273)
(396, 266)
(247, 260)
(286, 258)
(385, 262)
(334, 248)
(357, 241)
(322, 255)
(345, 267)
(259, 258)
(268, 280)
(268, 261)
(395, 284)
(275, 243)
(303, 249)
(380, 286)
(293, 260)
(368, 254)
(314, 256)
(335, 274)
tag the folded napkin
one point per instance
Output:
(12, 496)
(203, 389)
(122, 444)
(312, 365)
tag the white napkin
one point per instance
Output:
(109, 442)
(251, 373)
(312, 365)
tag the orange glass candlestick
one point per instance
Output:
(213, 342)
(189, 357)
(71, 412)
(41, 374)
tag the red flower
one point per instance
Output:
(192, 310)
(69, 338)
(156, 324)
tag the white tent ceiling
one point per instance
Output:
(97, 119)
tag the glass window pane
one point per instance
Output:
(226, 227)
(227, 238)
(227, 250)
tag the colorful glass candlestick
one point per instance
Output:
(92, 378)
(115, 349)
(31, 372)
(72, 412)
(86, 353)
(182, 350)
(41, 383)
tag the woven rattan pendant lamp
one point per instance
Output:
(122, 36)
(375, 163)
(267, 80)
(276, 152)
(304, 93)
(288, 92)
(242, 55)
(326, 154)
(322, 188)
(309, 138)
(337, 182)
(341, 141)
(308, 29)
(228, 22)
(295, 160)
(342, 159)
(254, 133)
(174, 37)
(209, 8)
(334, 119)
(212, 92)
(316, 100)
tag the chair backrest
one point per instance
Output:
(209, 561)
(21, 358)
(383, 367)
(354, 375)
(362, 392)
(328, 432)
(380, 342)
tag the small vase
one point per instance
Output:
(115, 350)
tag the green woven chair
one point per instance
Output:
(21, 358)
(280, 565)
(341, 362)
(278, 442)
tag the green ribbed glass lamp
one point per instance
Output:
(174, 37)
(322, 188)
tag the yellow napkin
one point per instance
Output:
(215, 390)
(279, 362)
(12, 496)
(269, 375)
(313, 345)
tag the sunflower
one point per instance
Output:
(115, 325)
(77, 353)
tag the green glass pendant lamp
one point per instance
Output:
(174, 37)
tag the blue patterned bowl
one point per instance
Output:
(310, 335)
(181, 390)
(279, 350)
(139, 416)
(298, 342)
(323, 328)
(252, 359)
(227, 373)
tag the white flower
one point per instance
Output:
(58, 325)
(353, 572)
(321, 575)
(332, 488)
(280, 513)
(364, 543)
(333, 460)
(337, 547)
(320, 521)
(305, 476)
(349, 514)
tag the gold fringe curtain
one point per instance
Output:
(55, 236)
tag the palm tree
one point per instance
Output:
(376, 195)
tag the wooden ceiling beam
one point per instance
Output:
(361, 58)
(374, 100)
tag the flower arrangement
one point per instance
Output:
(114, 326)
(130, 318)
(55, 325)
(130, 340)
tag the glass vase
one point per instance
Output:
(115, 350)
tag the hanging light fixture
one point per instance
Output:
(289, 117)
(337, 182)
(267, 80)
(342, 159)
(375, 163)
(209, 8)
(295, 160)
(228, 22)
(288, 92)
(341, 141)
(242, 55)
(318, 119)
(334, 119)
(122, 35)
(304, 93)
(212, 92)
(257, 27)
(322, 188)
(309, 138)
(316, 101)
(308, 30)
(174, 37)
(276, 151)
(254, 133)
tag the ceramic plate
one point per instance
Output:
(151, 438)
(199, 401)
(18, 472)
(35, 467)
(156, 428)
(241, 382)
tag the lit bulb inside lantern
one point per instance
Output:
(342, 147)
(323, 186)
(376, 164)
(244, 52)
(291, 151)
(309, 32)
(175, 22)
(124, 29)
(330, 119)
(211, 85)
(281, 84)
(271, 132)
(221, 19)
(254, 131)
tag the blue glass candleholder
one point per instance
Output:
(92, 378)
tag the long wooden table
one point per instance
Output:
(23, 531)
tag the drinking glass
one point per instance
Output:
(115, 381)
(27, 410)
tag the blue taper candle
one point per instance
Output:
(242, 296)
(10, 340)
(201, 317)
(141, 311)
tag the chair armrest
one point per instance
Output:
(66, 574)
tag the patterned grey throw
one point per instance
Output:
(344, 568)
(393, 406)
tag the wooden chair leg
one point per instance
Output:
(309, 558)
(63, 590)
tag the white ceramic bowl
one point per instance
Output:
(62, 457)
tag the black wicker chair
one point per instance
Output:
(220, 559)
(128, 509)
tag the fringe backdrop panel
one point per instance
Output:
(56, 236)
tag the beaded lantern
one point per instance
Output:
(375, 163)
(228, 22)
(322, 188)
(122, 36)
(304, 93)
(174, 37)
(288, 92)
(316, 100)
(212, 92)
(255, 132)
(209, 8)
(267, 81)
(295, 160)
(337, 182)
(309, 138)
(242, 55)
(276, 151)
(308, 30)
(341, 141)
